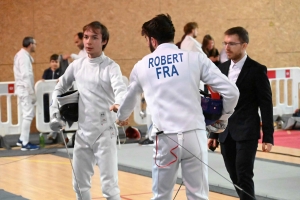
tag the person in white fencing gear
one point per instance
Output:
(100, 85)
(189, 42)
(170, 78)
(24, 82)
(78, 40)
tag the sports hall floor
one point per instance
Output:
(46, 173)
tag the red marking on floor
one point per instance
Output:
(287, 138)
(125, 198)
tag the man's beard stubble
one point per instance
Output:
(151, 47)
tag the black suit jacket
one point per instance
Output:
(255, 92)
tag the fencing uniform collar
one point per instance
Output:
(167, 45)
(97, 59)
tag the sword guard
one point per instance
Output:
(159, 132)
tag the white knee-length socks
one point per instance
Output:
(24, 137)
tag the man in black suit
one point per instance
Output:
(239, 141)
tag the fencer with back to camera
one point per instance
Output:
(170, 80)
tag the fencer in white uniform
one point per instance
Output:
(100, 85)
(169, 78)
(24, 83)
(82, 53)
(79, 43)
(189, 43)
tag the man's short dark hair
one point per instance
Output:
(103, 30)
(160, 28)
(53, 57)
(240, 31)
(80, 35)
(27, 41)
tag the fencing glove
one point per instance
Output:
(56, 124)
(217, 127)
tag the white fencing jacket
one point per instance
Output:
(170, 78)
(190, 44)
(100, 84)
(23, 72)
(82, 53)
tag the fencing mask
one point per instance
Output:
(68, 106)
(212, 106)
(132, 133)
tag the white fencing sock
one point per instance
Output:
(25, 131)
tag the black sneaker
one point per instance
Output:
(146, 141)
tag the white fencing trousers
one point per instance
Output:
(194, 172)
(27, 114)
(104, 153)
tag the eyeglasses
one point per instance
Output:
(231, 44)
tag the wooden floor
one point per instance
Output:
(49, 177)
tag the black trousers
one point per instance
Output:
(239, 161)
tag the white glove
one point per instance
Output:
(57, 124)
(217, 127)
(143, 114)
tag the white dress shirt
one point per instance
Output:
(235, 69)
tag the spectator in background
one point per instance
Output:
(52, 72)
(208, 47)
(79, 43)
(188, 42)
(24, 82)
